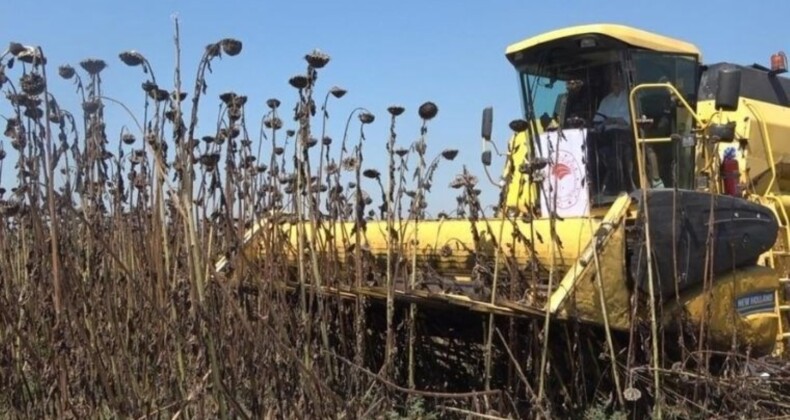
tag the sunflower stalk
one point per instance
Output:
(195, 260)
(390, 285)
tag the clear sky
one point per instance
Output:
(384, 52)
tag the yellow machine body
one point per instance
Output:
(587, 275)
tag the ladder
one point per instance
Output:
(774, 258)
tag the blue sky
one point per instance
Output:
(397, 52)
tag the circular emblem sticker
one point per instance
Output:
(566, 177)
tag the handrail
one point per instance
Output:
(634, 127)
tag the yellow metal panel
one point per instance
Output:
(629, 35)
(520, 194)
(584, 267)
(447, 246)
(585, 302)
(755, 331)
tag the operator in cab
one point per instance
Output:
(613, 110)
(612, 122)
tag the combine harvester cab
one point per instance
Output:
(627, 157)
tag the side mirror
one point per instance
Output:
(488, 121)
(729, 90)
(486, 158)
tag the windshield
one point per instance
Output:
(681, 72)
(568, 93)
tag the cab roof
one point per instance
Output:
(626, 34)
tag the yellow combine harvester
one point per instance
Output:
(631, 155)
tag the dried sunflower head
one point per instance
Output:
(159, 95)
(33, 112)
(317, 59)
(309, 143)
(350, 163)
(463, 180)
(366, 117)
(428, 110)
(128, 138)
(371, 173)
(395, 110)
(93, 66)
(209, 160)
(131, 58)
(337, 92)
(228, 98)
(273, 122)
(31, 55)
(15, 48)
(449, 154)
(66, 71)
(148, 86)
(33, 84)
(299, 81)
(332, 168)
(231, 46)
(273, 103)
(91, 106)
